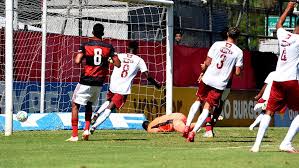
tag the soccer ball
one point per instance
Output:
(22, 116)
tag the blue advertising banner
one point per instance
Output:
(62, 121)
(58, 96)
(284, 119)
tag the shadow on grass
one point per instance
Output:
(237, 141)
(120, 139)
(265, 137)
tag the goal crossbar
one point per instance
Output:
(151, 2)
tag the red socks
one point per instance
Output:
(87, 120)
(75, 127)
(209, 126)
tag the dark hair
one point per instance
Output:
(233, 32)
(145, 124)
(133, 45)
(297, 23)
(179, 32)
(223, 33)
(98, 30)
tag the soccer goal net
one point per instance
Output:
(47, 35)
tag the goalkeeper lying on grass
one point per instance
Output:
(167, 123)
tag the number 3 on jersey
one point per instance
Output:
(97, 59)
(223, 58)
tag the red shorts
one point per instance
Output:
(284, 94)
(118, 99)
(206, 93)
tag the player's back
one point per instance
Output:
(287, 64)
(96, 54)
(165, 122)
(122, 77)
(225, 56)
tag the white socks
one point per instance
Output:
(193, 110)
(292, 131)
(103, 116)
(265, 121)
(257, 120)
(201, 119)
(103, 107)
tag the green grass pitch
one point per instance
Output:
(138, 149)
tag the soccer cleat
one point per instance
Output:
(198, 130)
(186, 131)
(92, 130)
(94, 118)
(191, 136)
(85, 135)
(72, 139)
(208, 134)
(255, 149)
(251, 128)
(220, 118)
(288, 148)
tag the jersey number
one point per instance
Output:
(284, 55)
(223, 58)
(97, 59)
(125, 72)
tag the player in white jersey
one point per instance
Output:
(211, 119)
(222, 58)
(285, 87)
(121, 82)
(262, 99)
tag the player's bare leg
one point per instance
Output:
(211, 121)
(88, 113)
(100, 110)
(201, 119)
(265, 121)
(75, 109)
(192, 112)
(286, 144)
(216, 115)
(209, 128)
(179, 125)
(103, 116)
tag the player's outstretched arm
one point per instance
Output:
(282, 18)
(260, 94)
(115, 61)
(151, 80)
(200, 77)
(78, 58)
(206, 63)
(238, 71)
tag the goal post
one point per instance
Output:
(47, 36)
(169, 60)
(44, 53)
(8, 67)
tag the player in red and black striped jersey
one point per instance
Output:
(97, 55)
